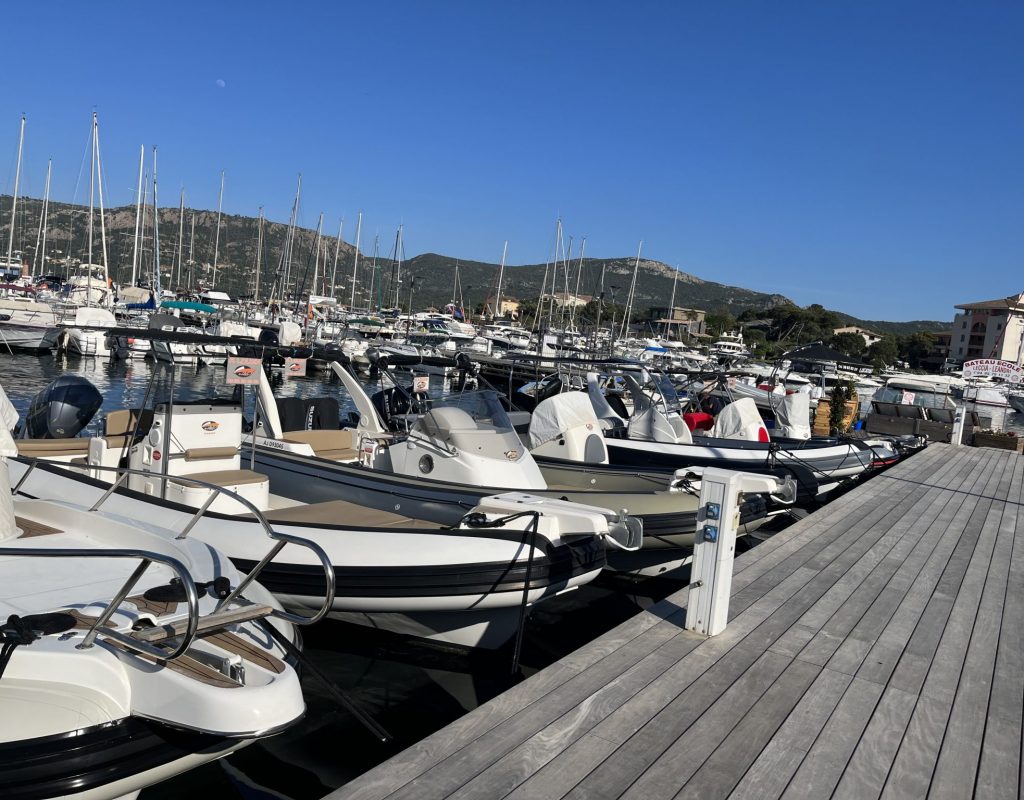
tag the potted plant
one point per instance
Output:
(1002, 440)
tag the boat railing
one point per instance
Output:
(279, 539)
(146, 558)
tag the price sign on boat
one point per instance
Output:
(243, 371)
(993, 368)
(295, 367)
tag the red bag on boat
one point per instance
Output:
(699, 421)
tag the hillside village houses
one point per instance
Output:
(509, 308)
(562, 299)
(989, 329)
(680, 320)
(870, 337)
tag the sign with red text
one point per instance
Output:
(993, 368)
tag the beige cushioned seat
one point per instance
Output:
(224, 477)
(47, 448)
(334, 445)
(342, 513)
(123, 421)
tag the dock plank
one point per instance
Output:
(874, 649)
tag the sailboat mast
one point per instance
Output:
(41, 235)
(316, 260)
(337, 252)
(501, 275)
(103, 224)
(398, 266)
(259, 254)
(290, 238)
(579, 275)
(632, 290)
(17, 180)
(138, 216)
(156, 236)
(216, 239)
(92, 196)
(191, 251)
(566, 255)
(181, 238)
(373, 272)
(672, 304)
(355, 266)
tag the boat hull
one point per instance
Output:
(412, 571)
(105, 761)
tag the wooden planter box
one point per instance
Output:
(822, 413)
(999, 441)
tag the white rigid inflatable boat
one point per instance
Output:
(129, 654)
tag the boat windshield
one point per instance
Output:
(667, 391)
(483, 406)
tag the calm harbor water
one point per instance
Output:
(410, 690)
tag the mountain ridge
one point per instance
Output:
(434, 273)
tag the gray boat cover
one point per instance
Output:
(740, 420)
(793, 416)
(561, 413)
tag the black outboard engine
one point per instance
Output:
(62, 409)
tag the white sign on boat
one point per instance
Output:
(993, 368)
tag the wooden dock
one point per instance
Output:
(874, 649)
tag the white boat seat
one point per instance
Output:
(224, 477)
(334, 445)
(48, 448)
(342, 513)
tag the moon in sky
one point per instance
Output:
(220, 83)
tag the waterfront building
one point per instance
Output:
(988, 329)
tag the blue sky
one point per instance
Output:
(868, 156)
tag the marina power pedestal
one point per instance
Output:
(714, 543)
(959, 421)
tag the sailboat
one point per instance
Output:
(25, 324)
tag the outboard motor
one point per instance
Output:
(62, 409)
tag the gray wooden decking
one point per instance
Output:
(875, 649)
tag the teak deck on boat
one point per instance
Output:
(874, 649)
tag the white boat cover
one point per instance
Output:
(8, 419)
(558, 414)
(793, 416)
(92, 316)
(740, 420)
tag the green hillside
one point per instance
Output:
(434, 274)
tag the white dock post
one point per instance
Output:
(959, 421)
(714, 548)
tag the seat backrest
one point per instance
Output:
(123, 421)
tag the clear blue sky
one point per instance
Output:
(868, 156)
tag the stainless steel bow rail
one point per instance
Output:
(190, 629)
(279, 539)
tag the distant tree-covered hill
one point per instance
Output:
(429, 278)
